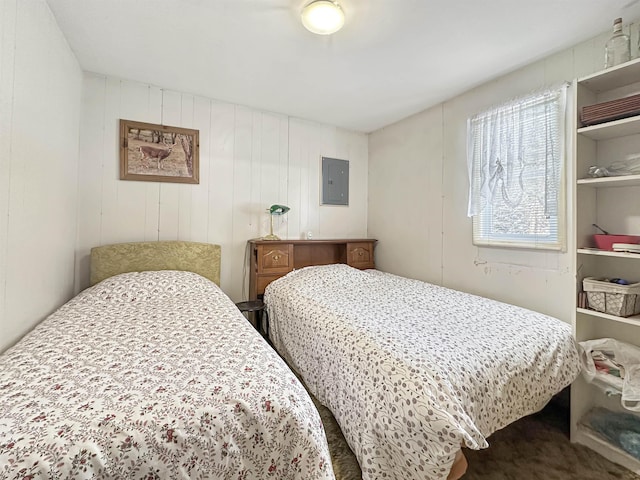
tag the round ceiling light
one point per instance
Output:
(323, 17)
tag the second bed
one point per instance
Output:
(412, 371)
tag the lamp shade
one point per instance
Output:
(323, 17)
(278, 209)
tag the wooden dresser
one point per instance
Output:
(271, 259)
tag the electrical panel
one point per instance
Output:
(335, 181)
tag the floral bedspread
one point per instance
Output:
(154, 375)
(413, 371)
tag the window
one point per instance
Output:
(515, 156)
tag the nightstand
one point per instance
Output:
(256, 307)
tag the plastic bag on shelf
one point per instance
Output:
(630, 166)
(615, 363)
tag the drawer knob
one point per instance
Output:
(276, 257)
(360, 253)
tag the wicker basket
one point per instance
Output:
(611, 298)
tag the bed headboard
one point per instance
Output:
(200, 258)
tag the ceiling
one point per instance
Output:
(393, 58)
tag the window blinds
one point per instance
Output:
(515, 157)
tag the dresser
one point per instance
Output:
(272, 259)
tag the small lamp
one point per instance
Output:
(273, 211)
(323, 17)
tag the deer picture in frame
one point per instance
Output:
(149, 153)
(158, 153)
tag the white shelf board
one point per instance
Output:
(607, 253)
(611, 182)
(614, 77)
(614, 129)
(587, 437)
(634, 320)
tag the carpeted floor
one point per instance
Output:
(534, 448)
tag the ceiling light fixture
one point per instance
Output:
(323, 17)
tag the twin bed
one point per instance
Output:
(156, 374)
(412, 371)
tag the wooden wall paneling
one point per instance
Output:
(356, 149)
(169, 212)
(322, 143)
(319, 140)
(110, 230)
(200, 193)
(8, 12)
(283, 160)
(269, 171)
(21, 215)
(242, 213)
(293, 185)
(40, 190)
(332, 218)
(255, 208)
(185, 191)
(308, 146)
(90, 174)
(152, 189)
(334, 147)
(221, 174)
(132, 196)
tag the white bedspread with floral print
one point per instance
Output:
(154, 375)
(413, 371)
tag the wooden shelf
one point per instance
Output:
(607, 253)
(615, 77)
(614, 129)
(634, 320)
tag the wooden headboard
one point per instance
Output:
(200, 258)
(272, 259)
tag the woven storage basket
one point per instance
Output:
(611, 298)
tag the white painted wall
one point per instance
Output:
(418, 191)
(249, 159)
(40, 86)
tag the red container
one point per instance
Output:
(605, 242)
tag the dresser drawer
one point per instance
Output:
(360, 255)
(275, 259)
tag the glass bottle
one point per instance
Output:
(617, 49)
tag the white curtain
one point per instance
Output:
(515, 153)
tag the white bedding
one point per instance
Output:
(413, 371)
(154, 375)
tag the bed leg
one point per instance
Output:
(459, 467)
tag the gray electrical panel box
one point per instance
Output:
(335, 181)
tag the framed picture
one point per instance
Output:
(158, 153)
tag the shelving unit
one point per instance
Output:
(614, 204)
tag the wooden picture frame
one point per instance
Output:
(158, 153)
